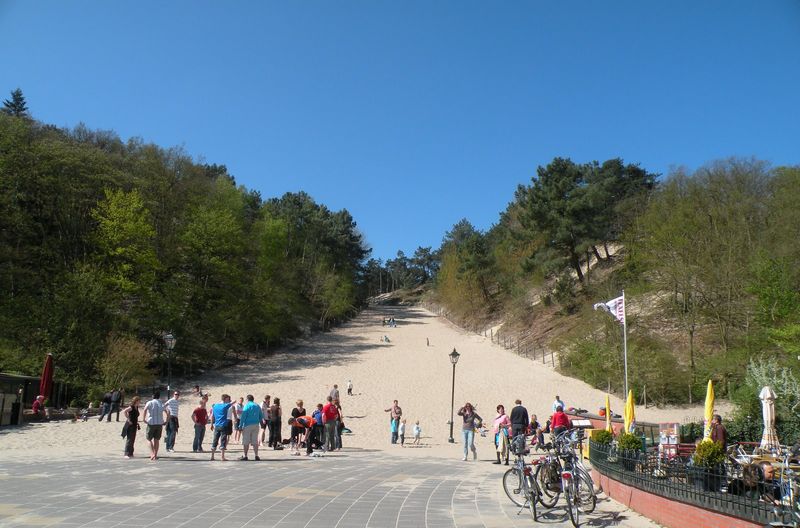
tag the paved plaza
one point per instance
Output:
(354, 488)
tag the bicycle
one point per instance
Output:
(518, 482)
(787, 508)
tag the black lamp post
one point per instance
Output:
(169, 340)
(453, 359)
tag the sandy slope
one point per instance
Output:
(419, 376)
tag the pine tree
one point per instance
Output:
(16, 106)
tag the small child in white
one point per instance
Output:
(417, 432)
(402, 432)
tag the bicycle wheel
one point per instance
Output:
(571, 496)
(548, 495)
(512, 485)
(587, 500)
(532, 492)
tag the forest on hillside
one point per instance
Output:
(707, 258)
(107, 245)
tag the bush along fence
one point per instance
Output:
(729, 488)
(521, 344)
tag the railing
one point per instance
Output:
(727, 489)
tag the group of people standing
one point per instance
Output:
(505, 427)
(242, 419)
(397, 426)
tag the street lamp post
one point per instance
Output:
(169, 340)
(453, 359)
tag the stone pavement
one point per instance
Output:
(351, 488)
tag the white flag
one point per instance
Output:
(615, 307)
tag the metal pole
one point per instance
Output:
(452, 405)
(169, 370)
(625, 340)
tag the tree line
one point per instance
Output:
(106, 245)
(709, 256)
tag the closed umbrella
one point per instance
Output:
(630, 414)
(709, 411)
(46, 383)
(769, 440)
(608, 415)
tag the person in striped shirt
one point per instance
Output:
(172, 420)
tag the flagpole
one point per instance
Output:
(625, 338)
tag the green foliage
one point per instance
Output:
(16, 106)
(126, 364)
(708, 454)
(102, 238)
(629, 442)
(602, 436)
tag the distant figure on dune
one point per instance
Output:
(349, 388)
(427, 341)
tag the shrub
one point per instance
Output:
(602, 437)
(629, 442)
(708, 454)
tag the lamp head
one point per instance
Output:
(454, 356)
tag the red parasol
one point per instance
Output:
(46, 383)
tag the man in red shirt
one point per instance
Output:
(200, 419)
(38, 407)
(330, 417)
(305, 426)
(560, 421)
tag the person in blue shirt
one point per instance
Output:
(319, 428)
(249, 422)
(220, 412)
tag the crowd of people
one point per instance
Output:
(235, 422)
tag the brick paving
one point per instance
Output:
(346, 489)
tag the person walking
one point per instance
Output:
(330, 419)
(417, 433)
(116, 403)
(154, 417)
(394, 418)
(275, 415)
(500, 427)
(200, 419)
(472, 421)
(265, 417)
(349, 388)
(334, 392)
(131, 426)
(172, 406)
(105, 406)
(519, 419)
(249, 422)
(220, 425)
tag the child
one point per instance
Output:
(402, 431)
(394, 429)
(417, 432)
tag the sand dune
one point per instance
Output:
(419, 376)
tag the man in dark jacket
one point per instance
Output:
(519, 419)
(116, 403)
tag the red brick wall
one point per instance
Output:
(667, 512)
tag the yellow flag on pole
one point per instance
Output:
(608, 415)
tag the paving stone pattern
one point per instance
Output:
(344, 489)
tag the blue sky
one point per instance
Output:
(415, 114)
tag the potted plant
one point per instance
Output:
(708, 466)
(601, 442)
(630, 446)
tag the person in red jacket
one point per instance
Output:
(305, 426)
(560, 421)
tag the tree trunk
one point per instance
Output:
(597, 253)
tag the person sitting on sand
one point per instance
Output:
(38, 407)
